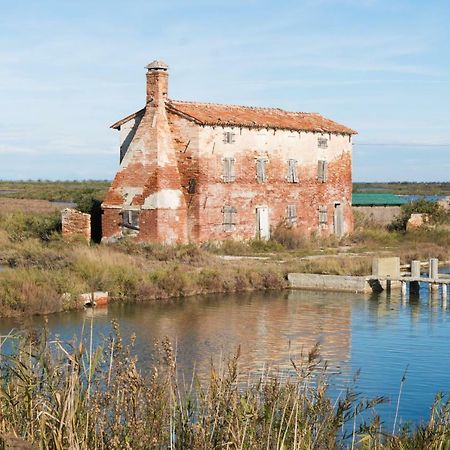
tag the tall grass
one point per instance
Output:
(60, 395)
(73, 396)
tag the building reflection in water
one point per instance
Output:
(270, 328)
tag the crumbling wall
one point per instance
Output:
(76, 224)
(246, 194)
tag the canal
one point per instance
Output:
(383, 336)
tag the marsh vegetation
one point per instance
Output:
(60, 395)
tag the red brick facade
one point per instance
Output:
(189, 171)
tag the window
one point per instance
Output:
(229, 219)
(228, 137)
(130, 219)
(323, 216)
(322, 171)
(322, 142)
(292, 176)
(291, 214)
(192, 186)
(228, 170)
(261, 173)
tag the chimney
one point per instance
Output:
(157, 82)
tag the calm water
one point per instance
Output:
(380, 335)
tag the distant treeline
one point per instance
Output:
(72, 191)
(405, 188)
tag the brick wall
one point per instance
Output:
(76, 224)
(200, 152)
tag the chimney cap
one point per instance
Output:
(157, 65)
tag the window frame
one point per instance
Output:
(261, 169)
(291, 214)
(229, 137)
(292, 174)
(229, 218)
(322, 142)
(131, 218)
(322, 170)
(323, 216)
(228, 169)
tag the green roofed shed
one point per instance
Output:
(367, 199)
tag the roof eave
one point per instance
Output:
(119, 123)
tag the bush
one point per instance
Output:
(435, 211)
(20, 226)
(291, 238)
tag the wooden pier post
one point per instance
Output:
(444, 292)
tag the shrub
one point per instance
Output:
(291, 238)
(20, 226)
(28, 291)
(435, 211)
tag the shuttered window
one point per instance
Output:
(292, 176)
(228, 137)
(130, 219)
(322, 142)
(229, 218)
(261, 172)
(291, 214)
(322, 171)
(323, 215)
(228, 170)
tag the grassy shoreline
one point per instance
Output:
(38, 272)
(40, 267)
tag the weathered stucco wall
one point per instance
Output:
(148, 180)
(200, 151)
(246, 194)
(379, 215)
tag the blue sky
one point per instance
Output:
(69, 69)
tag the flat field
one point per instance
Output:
(404, 188)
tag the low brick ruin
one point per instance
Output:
(76, 224)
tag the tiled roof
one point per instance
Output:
(252, 117)
(245, 116)
(369, 199)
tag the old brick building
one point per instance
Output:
(201, 171)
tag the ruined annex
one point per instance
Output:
(196, 172)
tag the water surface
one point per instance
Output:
(381, 335)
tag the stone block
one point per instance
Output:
(338, 283)
(416, 221)
(386, 267)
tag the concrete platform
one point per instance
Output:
(319, 282)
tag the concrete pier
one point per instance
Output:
(415, 269)
(386, 275)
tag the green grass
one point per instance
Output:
(404, 188)
(67, 191)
